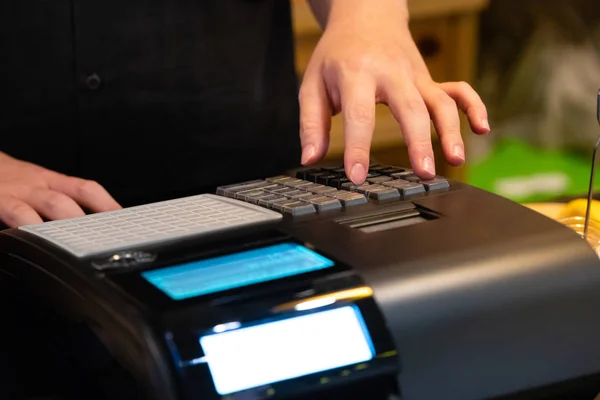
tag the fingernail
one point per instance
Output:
(458, 152)
(307, 153)
(486, 124)
(428, 165)
(358, 173)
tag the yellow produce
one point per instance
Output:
(577, 207)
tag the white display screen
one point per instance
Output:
(259, 355)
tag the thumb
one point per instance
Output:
(315, 118)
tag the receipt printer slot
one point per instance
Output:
(385, 221)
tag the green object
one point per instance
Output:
(524, 173)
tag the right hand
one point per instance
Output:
(30, 193)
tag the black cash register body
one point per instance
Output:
(308, 286)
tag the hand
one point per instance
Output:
(29, 193)
(368, 57)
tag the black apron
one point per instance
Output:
(153, 99)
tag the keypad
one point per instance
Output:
(320, 190)
(204, 214)
(292, 196)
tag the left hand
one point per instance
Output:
(369, 59)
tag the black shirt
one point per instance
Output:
(153, 99)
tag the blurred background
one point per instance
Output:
(536, 64)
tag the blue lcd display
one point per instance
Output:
(245, 268)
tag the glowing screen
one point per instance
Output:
(235, 270)
(258, 355)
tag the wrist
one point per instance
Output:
(353, 12)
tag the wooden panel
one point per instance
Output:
(304, 20)
(420, 9)
(434, 40)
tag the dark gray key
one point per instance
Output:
(298, 185)
(411, 189)
(230, 190)
(405, 188)
(390, 170)
(310, 186)
(266, 196)
(284, 180)
(293, 207)
(384, 193)
(278, 204)
(240, 184)
(246, 194)
(353, 187)
(355, 200)
(299, 194)
(302, 174)
(399, 175)
(348, 198)
(376, 168)
(411, 178)
(379, 192)
(337, 182)
(366, 188)
(268, 202)
(281, 190)
(338, 194)
(395, 183)
(292, 181)
(295, 193)
(314, 176)
(321, 189)
(436, 183)
(233, 192)
(340, 170)
(379, 179)
(298, 208)
(323, 203)
(279, 178)
(326, 179)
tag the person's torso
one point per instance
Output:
(150, 98)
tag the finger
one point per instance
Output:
(315, 118)
(445, 117)
(358, 114)
(52, 205)
(409, 109)
(15, 212)
(470, 103)
(86, 193)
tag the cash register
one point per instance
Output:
(309, 286)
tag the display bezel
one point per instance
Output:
(383, 364)
(357, 321)
(223, 273)
(133, 284)
(184, 321)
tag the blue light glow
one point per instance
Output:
(222, 273)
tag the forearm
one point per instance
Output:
(329, 12)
